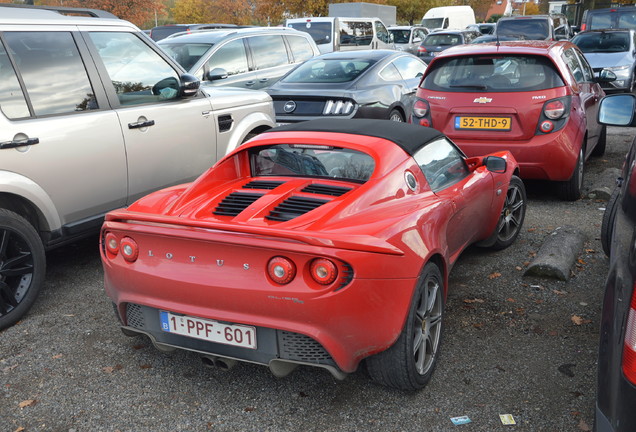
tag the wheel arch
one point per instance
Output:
(440, 262)
(255, 122)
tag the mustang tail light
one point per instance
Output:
(338, 107)
(554, 109)
(629, 347)
(111, 243)
(281, 270)
(129, 249)
(323, 271)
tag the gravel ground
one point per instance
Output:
(518, 345)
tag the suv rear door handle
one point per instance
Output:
(19, 143)
(141, 124)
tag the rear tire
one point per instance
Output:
(22, 267)
(409, 363)
(571, 190)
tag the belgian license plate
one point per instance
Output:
(487, 123)
(209, 330)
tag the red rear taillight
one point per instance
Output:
(129, 249)
(629, 347)
(323, 271)
(421, 49)
(554, 109)
(112, 244)
(281, 270)
(420, 108)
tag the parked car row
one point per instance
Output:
(310, 215)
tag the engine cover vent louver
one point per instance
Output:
(235, 203)
(293, 207)
(262, 184)
(326, 189)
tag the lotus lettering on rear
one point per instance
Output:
(191, 259)
(482, 100)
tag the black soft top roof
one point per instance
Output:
(408, 136)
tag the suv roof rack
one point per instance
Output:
(95, 13)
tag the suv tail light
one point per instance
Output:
(629, 347)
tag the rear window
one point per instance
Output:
(186, 54)
(615, 19)
(328, 71)
(311, 160)
(320, 32)
(531, 29)
(443, 39)
(602, 42)
(492, 74)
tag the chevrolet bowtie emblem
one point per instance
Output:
(482, 100)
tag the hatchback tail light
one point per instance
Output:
(629, 348)
(554, 109)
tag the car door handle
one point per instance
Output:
(263, 80)
(141, 124)
(19, 143)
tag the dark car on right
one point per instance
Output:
(436, 42)
(554, 26)
(616, 385)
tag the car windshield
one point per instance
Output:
(186, 54)
(400, 36)
(328, 71)
(613, 19)
(498, 73)
(602, 42)
(320, 32)
(531, 29)
(443, 39)
(311, 160)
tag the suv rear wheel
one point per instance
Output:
(22, 267)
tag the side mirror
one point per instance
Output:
(216, 74)
(495, 164)
(605, 76)
(617, 110)
(188, 85)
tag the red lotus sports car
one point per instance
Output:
(320, 243)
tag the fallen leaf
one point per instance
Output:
(478, 325)
(27, 403)
(519, 268)
(138, 347)
(590, 251)
(584, 426)
(145, 366)
(577, 320)
(511, 300)
(557, 292)
(20, 429)
(111, 369)
(249, 409)
(494, 275)
(475, 300)
(532, 229)
(57, 356)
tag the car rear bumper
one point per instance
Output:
(544, 157)
(227, 282)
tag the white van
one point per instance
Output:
(344, 34)
(449, 17)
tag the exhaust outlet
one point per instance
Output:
(221, 363)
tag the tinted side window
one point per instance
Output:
(300, 47)
(409, 67)
(53, 72)
(139, 75)
(268, 51)
(572, 62)
(12, 101)
(356, 33)
(442, 164)
(232, 57)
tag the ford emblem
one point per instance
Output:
(289, 107)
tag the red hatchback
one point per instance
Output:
(538, 100)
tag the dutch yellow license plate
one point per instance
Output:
(483, 123)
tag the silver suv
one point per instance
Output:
(93, 115)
